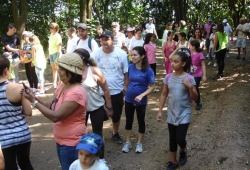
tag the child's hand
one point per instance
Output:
(159, 116)
(204, 78)
(187, 82)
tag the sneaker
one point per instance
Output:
(217, 77)
(183, 158)
(207, 55)
(172, 165)
(209, 63)
(116, 138)
(227, 55)
(127, 146)
(238, 57)
(138, 148)
(215, 65)
(198, 106)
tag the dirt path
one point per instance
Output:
(218, 137)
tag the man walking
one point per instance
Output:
(114, 64)
(228, 30)
(72, 40)
(12, 44)
(119, 38)
(241, 32)
(85, 41)
(150, 27)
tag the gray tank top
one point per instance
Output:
(95, 99)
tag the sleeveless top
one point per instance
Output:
(184, 45)
(167, 48)
(222, 41)
(95, 99)
(40, 60)
(13, 127)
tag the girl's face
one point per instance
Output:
(180, 37)
(136, 58)
(86, 159)
(152, 39)
(214, 30)
(171, 37)
(138, 35)
(176, 63)
(197, 33)
(25, 38)
(192, 48)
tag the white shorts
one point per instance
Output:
(241, 43)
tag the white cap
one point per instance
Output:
(224, 21)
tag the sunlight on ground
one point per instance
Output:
(219, 89)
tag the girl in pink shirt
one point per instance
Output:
(150, 48)
(198, 68)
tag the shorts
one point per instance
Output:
(117, 104)
(241, 43)
(52, 58)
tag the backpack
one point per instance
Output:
(89, 43)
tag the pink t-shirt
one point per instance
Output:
(150, 48)
(69, 130)
(196, 62)
(207, 28)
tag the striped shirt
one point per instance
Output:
(13, 127)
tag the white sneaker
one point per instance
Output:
(127, 146)
(215, 65)
(207, 55)
(138, 148)
(209, 63)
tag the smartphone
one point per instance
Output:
(25, 88)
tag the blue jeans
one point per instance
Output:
(67, 155)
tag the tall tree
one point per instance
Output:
(85, 10)
(180, 9)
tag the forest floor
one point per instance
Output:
(218, 136)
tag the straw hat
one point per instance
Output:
(71, 62)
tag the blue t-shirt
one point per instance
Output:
(138, 84)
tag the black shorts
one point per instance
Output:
(117, 104)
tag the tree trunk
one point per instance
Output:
(89, 9)
(19, 15)
(83, 10)
(180, 8)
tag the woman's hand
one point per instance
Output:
(138, 98)
(159, 116)
(109, 113)
(28, 94)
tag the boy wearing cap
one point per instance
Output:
(150, 27)
(85, 41)
(207, 28)
(119, 38)
(228, 30)
(89, 148)
(113, 62)
(12, 44)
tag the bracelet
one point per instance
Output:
(34, 103)
(108, 108)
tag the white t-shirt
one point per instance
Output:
(119, 39)
(211, 40)
(128, 41)
(84, 44)
(228, 30)
(96, 166)
(150, 28)
(135, 43)
(113, 66)
(72, 43)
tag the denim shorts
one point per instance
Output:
(52, 57)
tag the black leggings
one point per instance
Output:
(20, 154)
(220, 56)
(140, 113)
(153, 66)
(97, 117)
(198, 80)
(177, 136)
(31, 75)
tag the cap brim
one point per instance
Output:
(86, 147)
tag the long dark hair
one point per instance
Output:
(147, 38)
(144, 63)
(196, 44)
(185, 56)
(220, 28)
(4, 63)
(84, 54)
(200, 33)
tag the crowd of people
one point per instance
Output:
(92, 78)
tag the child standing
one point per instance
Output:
(150, 48)
(124, 48)
(12, 74)
(199, 68)
(182, 43)
(168, 47)
(179, 86)
(214, 28)
(89, 148)
(141, 83)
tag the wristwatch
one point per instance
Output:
(34, 103)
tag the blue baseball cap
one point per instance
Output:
(90, 142)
